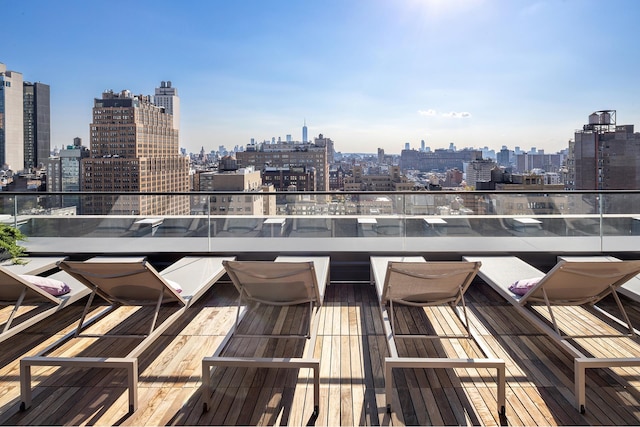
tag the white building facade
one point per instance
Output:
(11, 120)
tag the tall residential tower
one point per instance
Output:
(605, 155)
(134, 148)
(11, 120)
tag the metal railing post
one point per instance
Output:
(601, 218)
(209, 223)
(15, 211)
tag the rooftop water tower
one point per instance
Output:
(602, 121)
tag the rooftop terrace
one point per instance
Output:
(351, 343)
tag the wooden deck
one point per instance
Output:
(351, 346)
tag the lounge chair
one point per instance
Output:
(31, 265)
(412, 281)
(16, 293)
(286, 281)
(630, 289)
(128, 281)
(574, 283)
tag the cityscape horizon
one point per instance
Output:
(261, 70)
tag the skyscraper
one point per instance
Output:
(167, 97)
(134, 148)
(37, 124)
(304, 131)
(11, 120)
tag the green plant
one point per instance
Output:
(9, 238)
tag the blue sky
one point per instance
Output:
(366, 73)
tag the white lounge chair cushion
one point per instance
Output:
(521, 287)
(51, 286)
(175, 285)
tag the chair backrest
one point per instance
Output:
(574, 282)
(125, 281)
(275, 283)
(12, 286)
(428, 283)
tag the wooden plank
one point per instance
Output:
(539, 375)
(357, 379)
(345, 379)
(325, 350)
(333, 404)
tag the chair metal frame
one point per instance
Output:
(317, 271)
(380, 269)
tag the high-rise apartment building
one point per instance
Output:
(37, 124)
(526, 162)
(504, 157)
(11, 120)
(479, 171)
(167, 97)
(293, 154)
(322, 141)
(64, 171)
(604, 156)
(134, 148)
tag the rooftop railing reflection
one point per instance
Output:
(327, 215)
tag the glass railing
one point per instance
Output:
(599, 218)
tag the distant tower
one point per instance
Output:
(167, 97)
(422, 145)
(304, 131)
(37, 124)
(11, 119)
(407, 146)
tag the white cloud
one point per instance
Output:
(457, 115)
(450, 115)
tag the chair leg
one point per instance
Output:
(553, 318)
(25, 386)
(85, 312)
(156, 312)
(15, 309)
(466, 323)
(624, 312)
(316, 389)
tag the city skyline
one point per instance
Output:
(368, 74)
